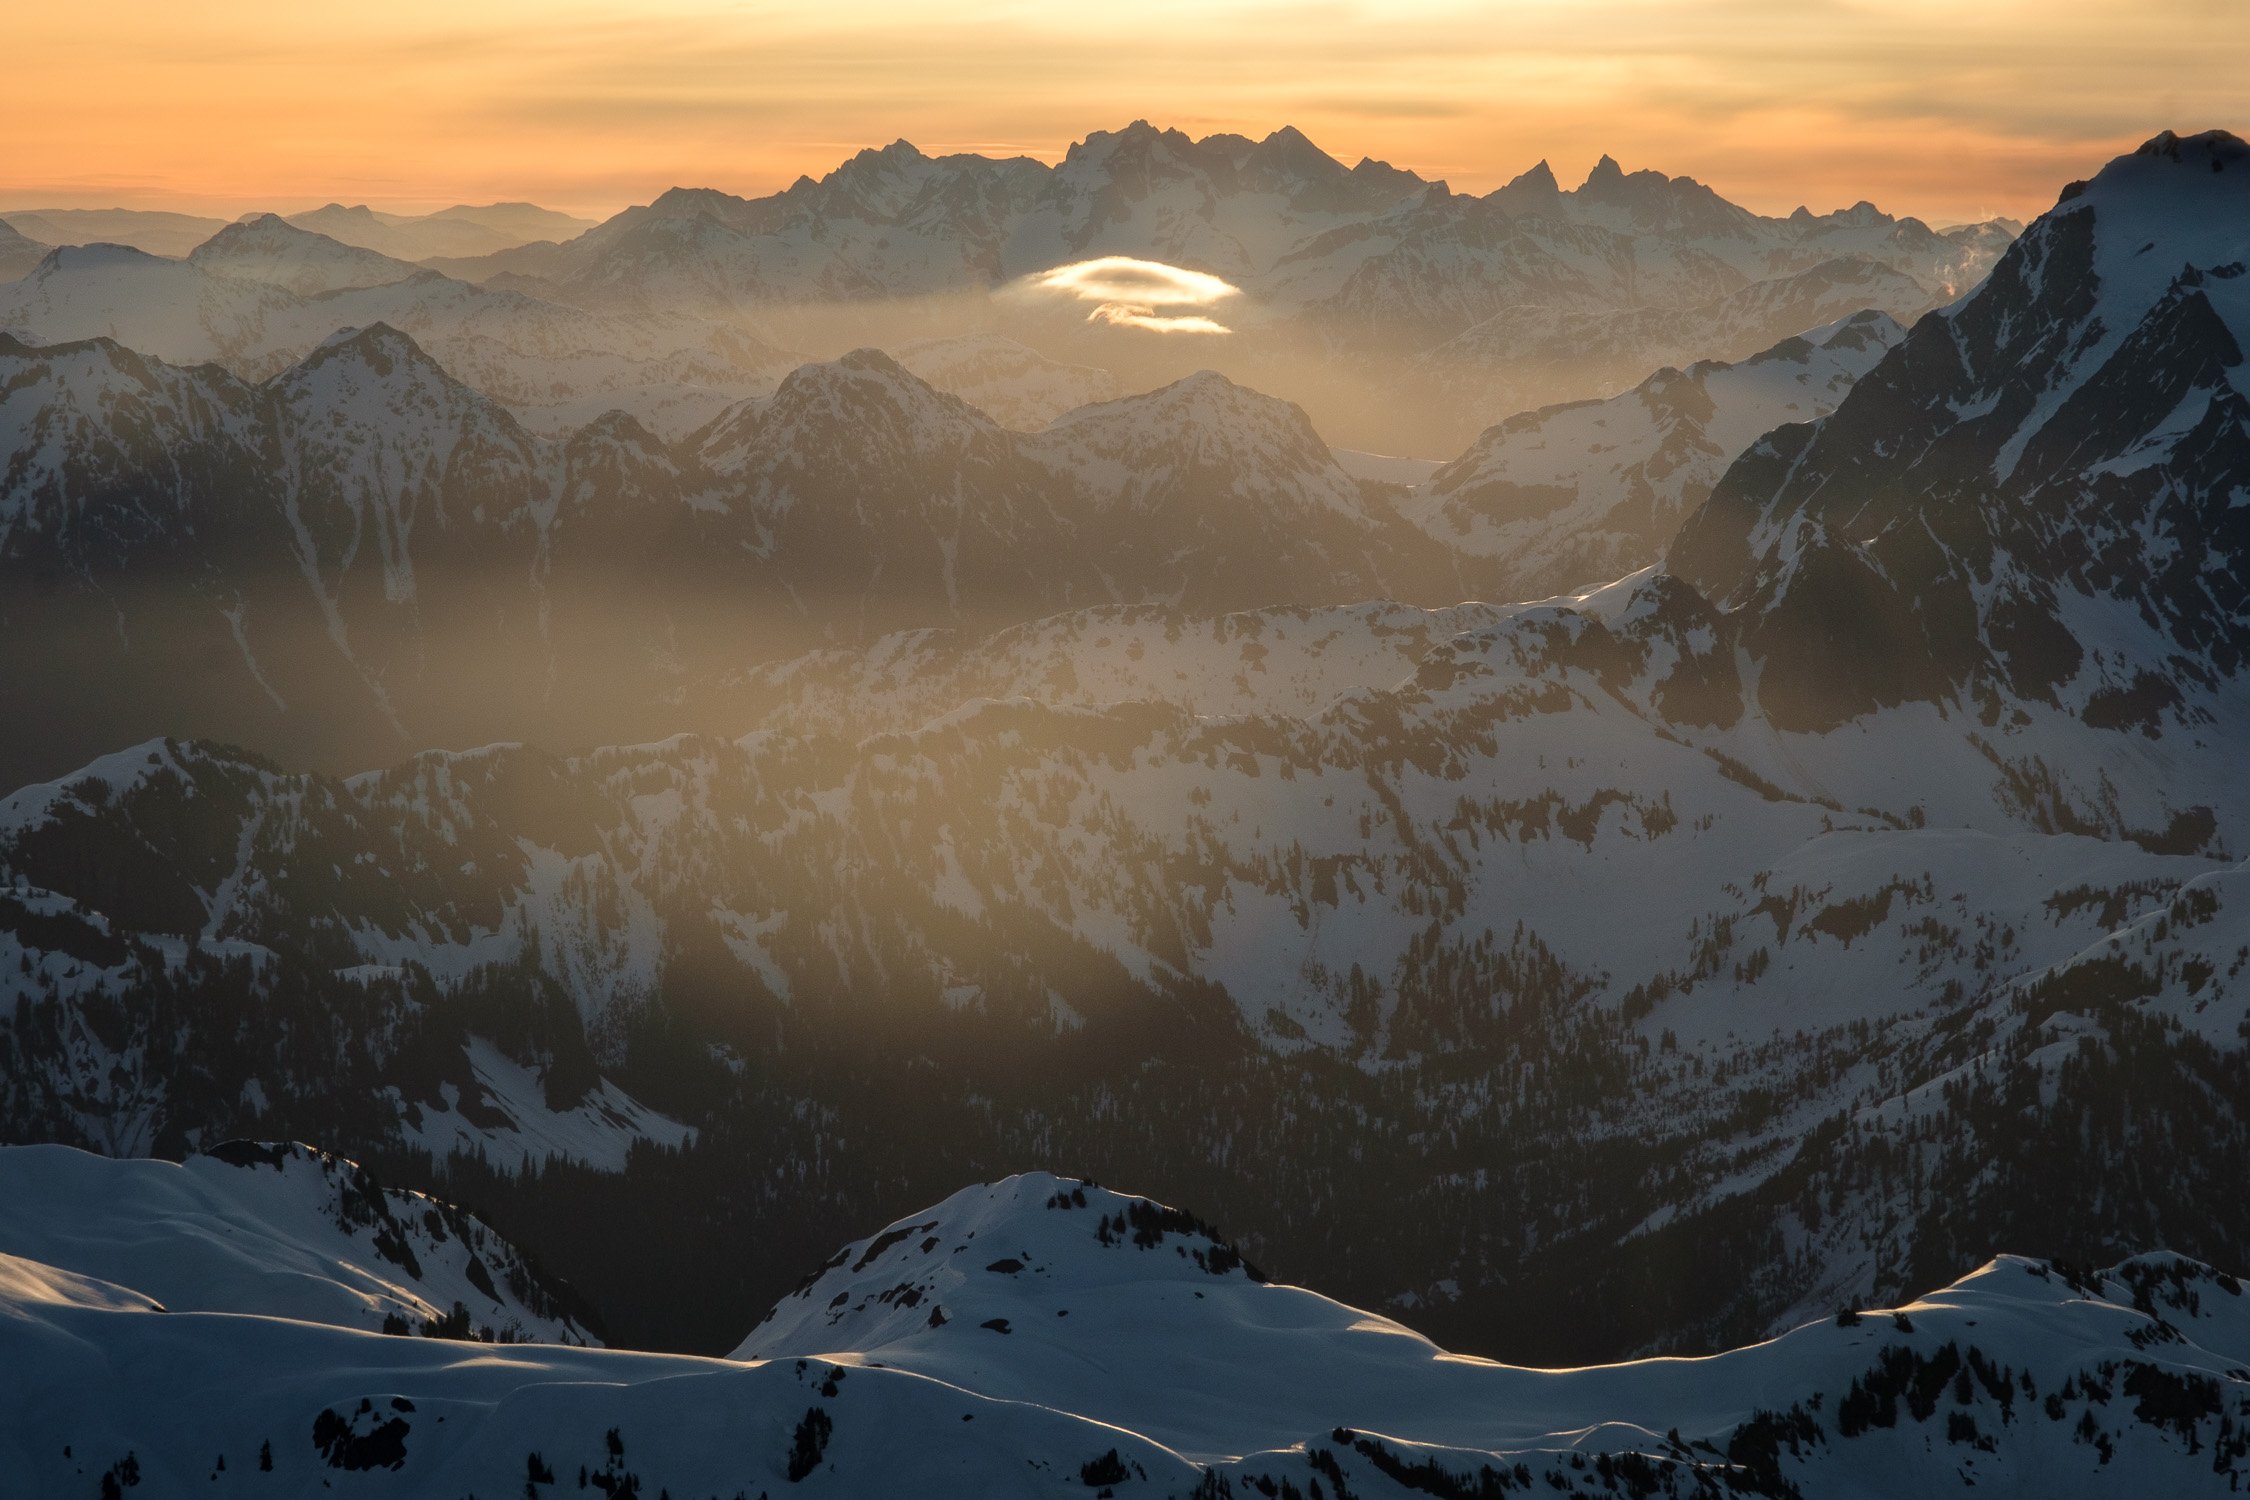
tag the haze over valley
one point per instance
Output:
(1354, 839)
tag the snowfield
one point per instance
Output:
(1041, 1336)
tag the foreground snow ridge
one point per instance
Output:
(1044, 1336)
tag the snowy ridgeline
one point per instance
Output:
(282, 1231)
(1045, 1336)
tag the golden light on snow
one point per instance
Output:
(1131, 293)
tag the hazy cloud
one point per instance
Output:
(1134, 293)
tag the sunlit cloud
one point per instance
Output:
(1130, 293)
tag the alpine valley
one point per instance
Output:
(758, 725)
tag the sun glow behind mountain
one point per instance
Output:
(1130, 293)
(1946, 111)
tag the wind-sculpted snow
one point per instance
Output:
(280, 1231)
(1128, 1350)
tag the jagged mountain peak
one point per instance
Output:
(881, 180)
(1539, 176)
(1651, 201)
(391, 444)
(1573, 494)
(1291, 150)
(2036, 482)
(617, 467)
(1534, 193)
(2176, 203)
(1369, 168)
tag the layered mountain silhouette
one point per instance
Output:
(1824, 873)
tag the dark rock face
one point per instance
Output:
(2035, 477)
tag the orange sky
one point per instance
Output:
(1950, 110)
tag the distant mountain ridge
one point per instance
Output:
(464, 229)
(269, 248)
(1278, 216)
(1405, 316)
(261, 295)
(460, 230)
(311, 541)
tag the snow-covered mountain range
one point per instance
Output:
(1042, 1336)
(1405, 316)
(262, 295)
(363, 551)
(1278, 217)
(1751, 925)
(464, 229)
(1402, 314)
